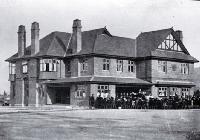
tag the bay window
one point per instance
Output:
(48, 65)
(12, 68)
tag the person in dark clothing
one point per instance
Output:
(91, 101)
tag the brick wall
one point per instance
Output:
(171, 75)
(98, 68)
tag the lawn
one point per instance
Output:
(101, 125)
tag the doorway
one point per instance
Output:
(62, 95)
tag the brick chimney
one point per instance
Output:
(179, 33)
(35, 46)
(21, 40)
(76, 36)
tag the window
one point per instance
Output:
(12, 68)
(120, 65)
(68, 66)
(131, 66)
(106, 64)
(80, 92)
(48, 65)
(24, 67)
(103, 91)
(184, 68)
(185, 92)
(162, 91)
(162, 66)
(84, 65)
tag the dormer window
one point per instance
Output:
(48, 65)
(12, 68)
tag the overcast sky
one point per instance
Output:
(121, 17)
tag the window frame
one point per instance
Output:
(12, 68)
(164, 90)
(106, 64)
(84, 65)
(24, 67)
(185, 68)
(48, 65)
(119, 65)
(131, 66)
(162, 66)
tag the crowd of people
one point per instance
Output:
(140, 101)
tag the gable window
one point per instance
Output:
(184, 68)
(84, 65)
(162, 66)
(106, 64)
(12, 68)
(162, 91)
(48, 65)
(131, 66)
(170, 44)
(24, 67)
(120, 65)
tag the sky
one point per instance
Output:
(126, 18)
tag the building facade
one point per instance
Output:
(66, 68)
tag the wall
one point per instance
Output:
(171, 75)
(98, 68)
(74, 101)
(143, 69)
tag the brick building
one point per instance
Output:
(66, 68)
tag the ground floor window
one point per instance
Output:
(103, 90)
(81, 91)
(162, 91)
(185, 92)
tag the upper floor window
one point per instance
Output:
(131, 66)
(120, 65)
(48, 65)
(106, 64)
(84, 65)
(24, 67)
(170, 44)
(12, 68)
(162, 91)
(184, 68)
(162, 66)
(68, 66)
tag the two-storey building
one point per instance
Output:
(67, 68)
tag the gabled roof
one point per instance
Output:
(51, 45)
(98, 41)
(148, 42)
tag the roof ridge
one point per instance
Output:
(157, 30)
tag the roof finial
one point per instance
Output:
(105, 27)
